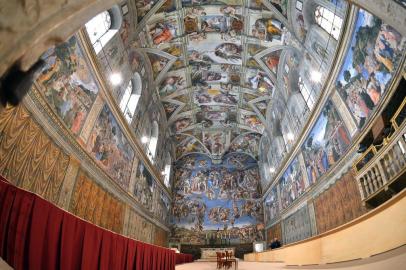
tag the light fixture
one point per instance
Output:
(316, 76)
(271, 169)
(290, 136)
(144, 139)
(163, 172)
(115, 78)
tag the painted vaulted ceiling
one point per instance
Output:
(218, 67)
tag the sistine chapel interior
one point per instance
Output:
(202, 134)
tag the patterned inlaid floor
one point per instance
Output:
(392, 260)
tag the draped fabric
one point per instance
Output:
(35, 234)
(94, 204)
(28, 156)
(183, 258)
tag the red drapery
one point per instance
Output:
(35, 234)
(183, 258)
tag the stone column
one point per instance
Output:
(133, 177)
(304, 170)
(68, 183)
(345, 114)
(91, 118)
(312, 215)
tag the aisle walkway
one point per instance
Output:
(392, 260)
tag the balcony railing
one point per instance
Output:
(382, 172)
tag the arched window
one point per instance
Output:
(167, 170)
(131, 96)
(327, 20)
(153, 141)
(103, 27)
(306, 93)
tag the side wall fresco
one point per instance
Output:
(32, 160)
(64, 83)
(326, 144)
(373, 57)
(69, 87)
(110, 148)
(68, 83)
(369, 65)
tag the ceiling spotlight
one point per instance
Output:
(316, 76)
(115, 78)
(163, 172)
(271, 169)
(144, 139)
(290, 136)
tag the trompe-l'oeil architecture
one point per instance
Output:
(206, 124)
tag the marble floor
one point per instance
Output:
(392, 260)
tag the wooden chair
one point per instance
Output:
(219, 260)
(227, 263)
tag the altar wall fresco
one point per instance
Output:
(210, 197)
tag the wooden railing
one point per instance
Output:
(379, 167)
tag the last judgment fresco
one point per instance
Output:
(217, 200)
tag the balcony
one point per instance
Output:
(381, 170)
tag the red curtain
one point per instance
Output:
(34, 234)
(183, 258)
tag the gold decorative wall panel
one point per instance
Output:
(161, 237)
(139, 228)
(339, 204)
(92, 203)
(28, 156)
(274, 231)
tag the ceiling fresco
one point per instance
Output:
(217, 65)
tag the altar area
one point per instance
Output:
(210, 254)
